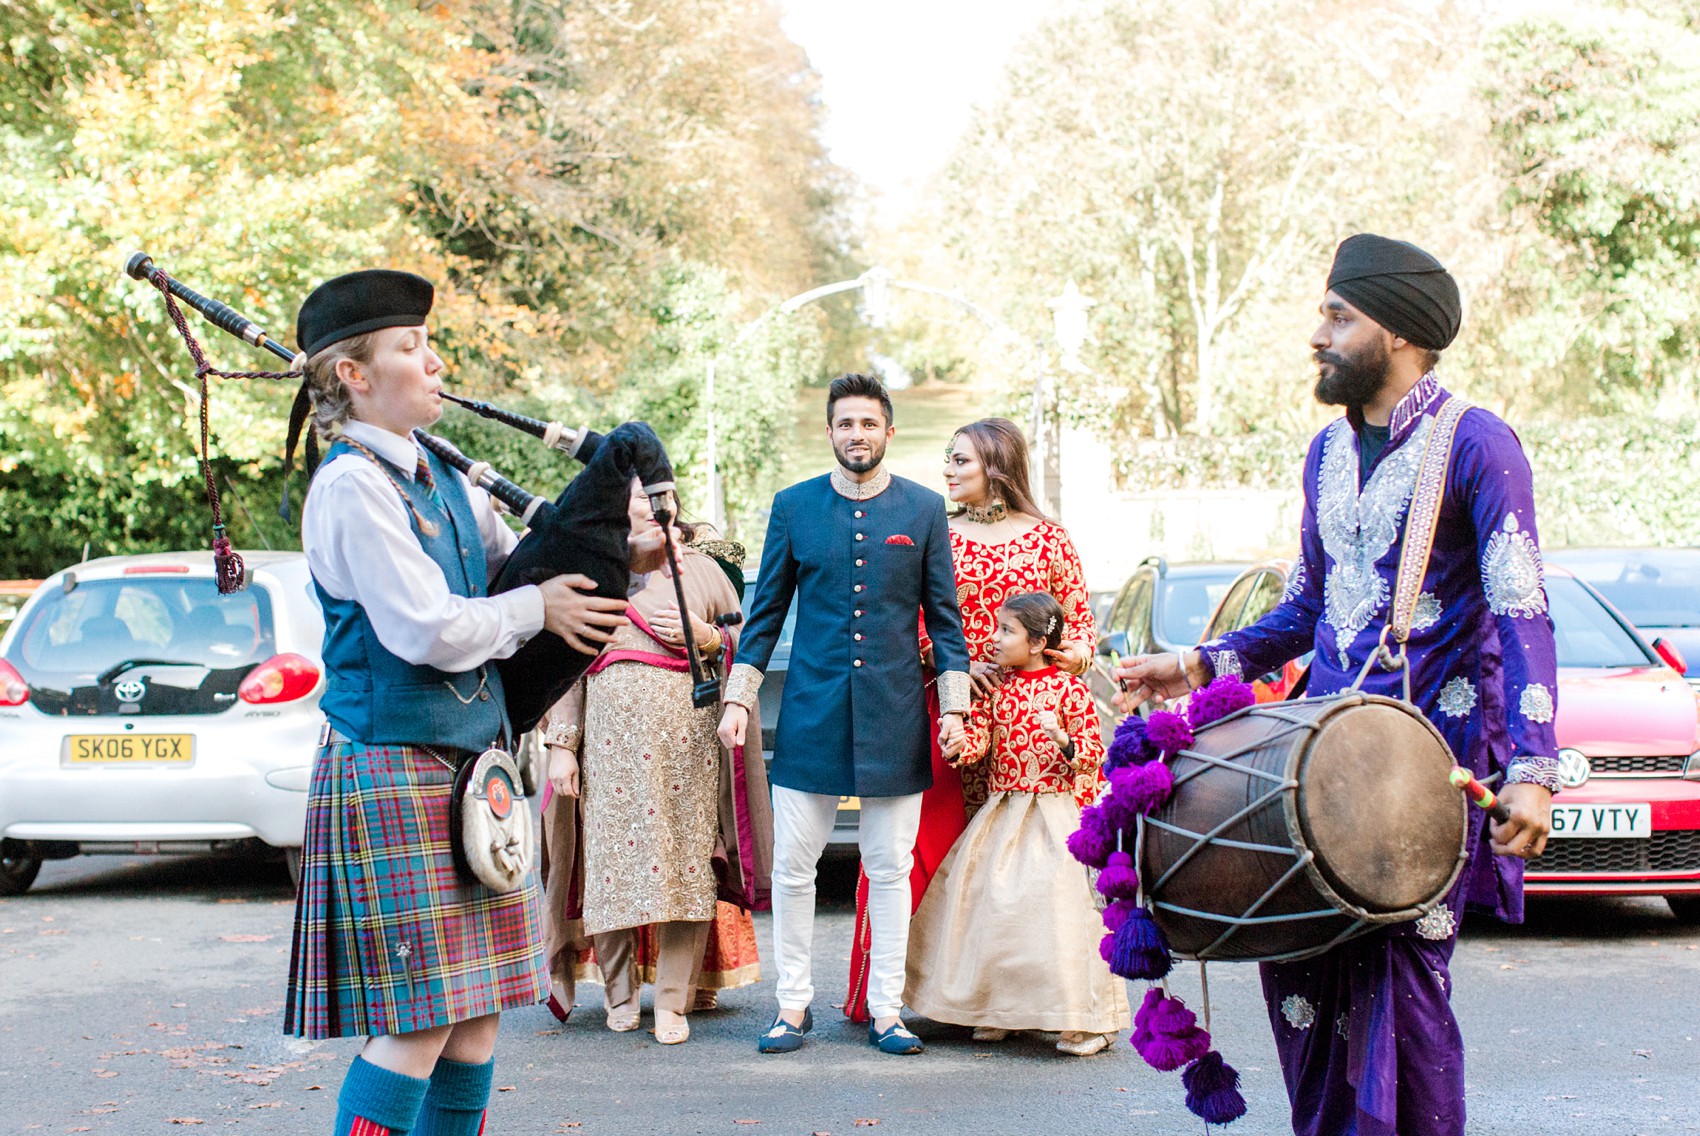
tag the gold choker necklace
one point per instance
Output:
(985, 514)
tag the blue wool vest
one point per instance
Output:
(374, 697)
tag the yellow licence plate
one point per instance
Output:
(130, 749)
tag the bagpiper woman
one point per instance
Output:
(391, 941)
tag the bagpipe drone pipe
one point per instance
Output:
(584, 530)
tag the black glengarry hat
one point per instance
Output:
(358, 302)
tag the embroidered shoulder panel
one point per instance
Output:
(1511, 572)
(1358, 529)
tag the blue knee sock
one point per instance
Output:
(455, 1103)
(377, 1102)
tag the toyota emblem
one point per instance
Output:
(130, 690)
(1573, 768)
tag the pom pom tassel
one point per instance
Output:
(1169, 732)
(1225, 695)
(1119, 879)
(1094, 840)
(1213, 1090)
(1116, 914)
(1136, 791)
(1128, 747)
(228, 569)
(1138, 950)
(1170, 1037)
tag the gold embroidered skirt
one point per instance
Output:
(1007, 934)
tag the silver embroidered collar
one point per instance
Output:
(1413, 404)
(860, 490)
(1358, 529)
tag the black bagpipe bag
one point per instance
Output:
(586, 533)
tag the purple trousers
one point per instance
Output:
(1366, 1035)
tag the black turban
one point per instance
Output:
(1400, 287)
(358, 302)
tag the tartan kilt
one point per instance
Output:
(389, 937)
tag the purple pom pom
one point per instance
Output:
(1225, 695)
(1116, 914)
(1128, 746)
(1119, 879)
(1170, 1037)
(1169, 732)
(1107, 946)
(1147, 787)
(1142, 1018)
(1171, 1016)
(1212, 1090)
(1094, 840)
(1140, 951)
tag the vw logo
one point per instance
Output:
(1573, 768)
(130, 690)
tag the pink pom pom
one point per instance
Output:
(1169, 732)
(1119, 879)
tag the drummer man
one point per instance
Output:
(1366, 1034)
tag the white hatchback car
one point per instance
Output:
(142, 712)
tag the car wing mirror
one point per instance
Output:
(1113, 645)
(1667, 651)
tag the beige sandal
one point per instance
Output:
(623, 1021)
(990, 1033)
(672, 1033)
(1078, 1043)
(705, 1000)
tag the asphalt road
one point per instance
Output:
(144, 995)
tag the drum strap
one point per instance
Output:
(1424, 517)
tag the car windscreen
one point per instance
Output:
(1651, 588)
(1188, 601)
(1585, 633)
(100, 624)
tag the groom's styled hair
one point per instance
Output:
(852, 385)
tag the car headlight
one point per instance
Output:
(1574, 769)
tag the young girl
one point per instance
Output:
(391, 941)
(1006, 937)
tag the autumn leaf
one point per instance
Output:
(245, 938)
(184, 1120)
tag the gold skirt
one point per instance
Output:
(1007, 934)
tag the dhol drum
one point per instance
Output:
(1295, 826)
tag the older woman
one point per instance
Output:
(1001, 545)
(653, 788)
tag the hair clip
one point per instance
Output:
(1050, 625)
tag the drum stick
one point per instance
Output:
(1480, 795)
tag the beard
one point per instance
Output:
(875, 455)
(1352, 380)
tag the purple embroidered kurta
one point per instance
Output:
(1367, 1038)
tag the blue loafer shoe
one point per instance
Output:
(896, 1040)
(783, 1037)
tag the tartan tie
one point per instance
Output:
(422, 474)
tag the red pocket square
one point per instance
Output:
(899, 539)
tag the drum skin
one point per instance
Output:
(1357, 814)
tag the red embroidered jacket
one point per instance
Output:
(1024, 759)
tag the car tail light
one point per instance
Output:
(281, 678)
(14, 691)
(1667, 651)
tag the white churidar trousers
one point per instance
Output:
(802, 824)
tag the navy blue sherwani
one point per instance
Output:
(854, 718)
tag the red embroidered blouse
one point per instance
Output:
(1024, 759)
(1042, 559)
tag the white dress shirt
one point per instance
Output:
(361, 546)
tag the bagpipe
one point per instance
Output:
(583, 530)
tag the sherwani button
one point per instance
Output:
(858, 613)
(860, 563)
(860, 514)
(858, 588)
(860, 536)
(858, 636)
(858, 662)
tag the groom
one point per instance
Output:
(866, 553)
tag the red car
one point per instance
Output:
(1628, 820)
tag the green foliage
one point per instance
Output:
(547, 165)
